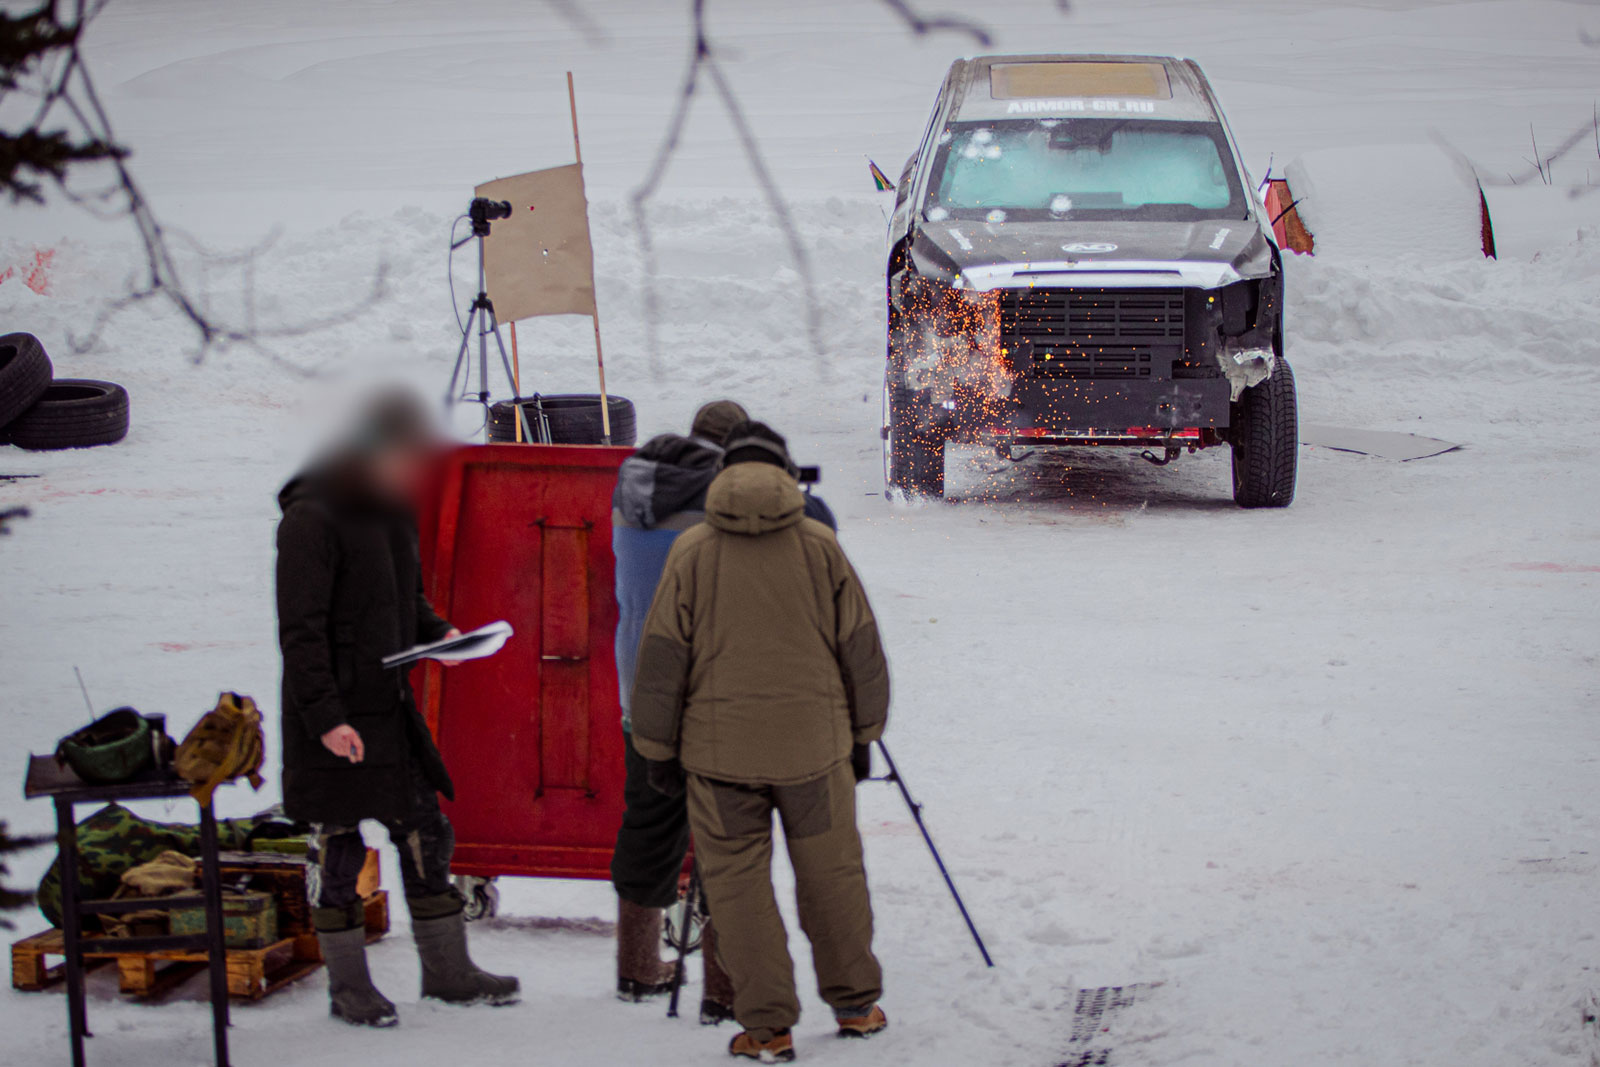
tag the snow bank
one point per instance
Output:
(1534, 219)
(1373, 200)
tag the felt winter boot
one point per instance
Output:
(351, 994)
(641, 973)
(768, 1046)
(448, 973)
(716, 999)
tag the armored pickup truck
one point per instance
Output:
(1078, 257)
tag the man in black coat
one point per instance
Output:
(349, 591)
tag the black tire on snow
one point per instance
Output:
(1266, 442)
(73, 413)
(916, 460)
(25, 374)
(574, 419)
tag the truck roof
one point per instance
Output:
(1082, 86)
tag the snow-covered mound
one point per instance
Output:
(1367, 200)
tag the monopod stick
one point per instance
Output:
(916, 813)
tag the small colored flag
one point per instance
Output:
(879, 178)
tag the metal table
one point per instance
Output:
(48, 778)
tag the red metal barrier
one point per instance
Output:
(532, 735)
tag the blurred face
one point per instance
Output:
(397, 473)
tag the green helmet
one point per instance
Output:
(113, 748)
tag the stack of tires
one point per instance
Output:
(41, 412)
(572, 419)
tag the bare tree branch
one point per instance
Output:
(1536, 169)
(579, 19)
(702, 59)
(922, 25)
(64, 86)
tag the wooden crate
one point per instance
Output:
(252, 973)
(284, 875)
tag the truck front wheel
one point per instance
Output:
(915, 456)
(1266, 441)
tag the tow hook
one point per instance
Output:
(1160, 461)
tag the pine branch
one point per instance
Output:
(12, 899)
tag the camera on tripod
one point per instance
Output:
(482, 212)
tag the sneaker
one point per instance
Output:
(780, 1049)
(864, 1024)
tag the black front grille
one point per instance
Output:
(1092, 333)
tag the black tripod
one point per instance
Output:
(482, 212)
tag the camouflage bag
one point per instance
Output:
(114, 840)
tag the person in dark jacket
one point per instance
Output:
(355, 747)
(660, 493)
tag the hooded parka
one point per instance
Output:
(760, 661)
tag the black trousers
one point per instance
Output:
(652, 841)
(425, 841)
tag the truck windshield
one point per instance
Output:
(1063, 169)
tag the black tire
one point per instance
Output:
(916, 457)
(574, 419)
(73, 413)
(1266, 442)
(25, 374)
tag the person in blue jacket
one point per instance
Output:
(661, 491)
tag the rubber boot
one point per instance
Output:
(641, 972)
(448, 973)
(351, 994)
(716, 999)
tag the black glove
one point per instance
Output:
(861, 762)
(665, 776)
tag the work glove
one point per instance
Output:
(861, 762)
(666, 777)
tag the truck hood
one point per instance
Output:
(1122, 254)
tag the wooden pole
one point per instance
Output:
(599, 353)
(516, 382)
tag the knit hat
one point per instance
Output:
(756, 442)
(714, 420)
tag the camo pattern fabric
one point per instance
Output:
(114, 840)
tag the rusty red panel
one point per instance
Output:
(532, 735)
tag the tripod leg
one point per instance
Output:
(691, 902)
(461, 358)
(505, 361)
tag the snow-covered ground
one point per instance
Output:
(1329, 774)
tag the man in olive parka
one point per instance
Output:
(760, 676)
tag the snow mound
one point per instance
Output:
(1372, 201)
(1534, 220)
